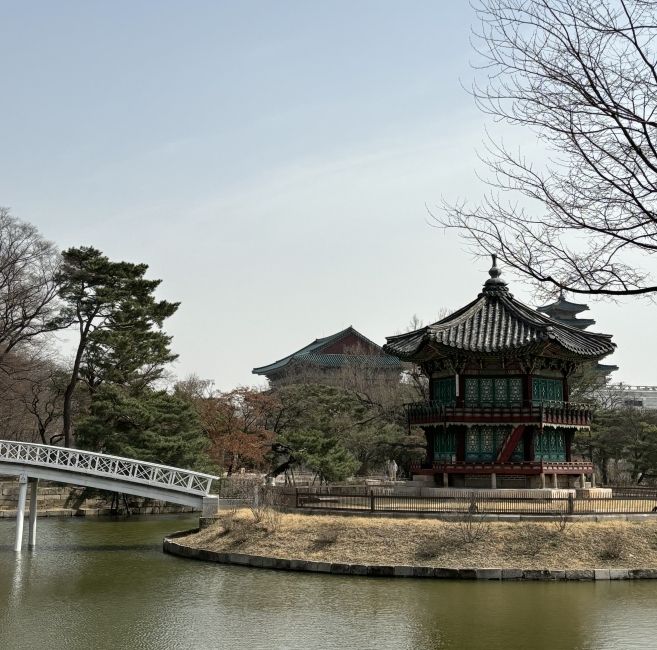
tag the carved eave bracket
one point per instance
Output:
(528, 363)
(570, 368)
(456, 363)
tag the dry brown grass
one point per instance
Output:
(377, 540)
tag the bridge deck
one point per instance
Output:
(31, 461)
(126, 470)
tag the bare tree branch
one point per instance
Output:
(581, 75)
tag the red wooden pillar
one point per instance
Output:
(569, 435)
(528, 389)
(566, 389)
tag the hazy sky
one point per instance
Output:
(273, 163)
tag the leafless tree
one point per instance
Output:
(44, 402)
(31, 395)
(28, 288)
(15, 422)
(581, 75)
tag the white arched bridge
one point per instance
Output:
(31, 462)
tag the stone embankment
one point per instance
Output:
(174, 547)
(66, 501)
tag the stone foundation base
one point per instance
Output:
(483, 493)
(593, 493)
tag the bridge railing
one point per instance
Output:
(89, 462)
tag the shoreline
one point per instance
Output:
(470, 548)
(172, 546)
(100, 512)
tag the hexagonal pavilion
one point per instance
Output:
(499, 413)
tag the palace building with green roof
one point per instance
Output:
(326, 356)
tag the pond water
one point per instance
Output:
(101, 583)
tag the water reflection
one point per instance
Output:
(17, 580)
(106, 584)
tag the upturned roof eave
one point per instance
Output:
(442, 350)
(420, 353)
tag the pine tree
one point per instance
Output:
(119, 321)
(153, 426)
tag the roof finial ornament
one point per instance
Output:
(494, 271)
(495, 284)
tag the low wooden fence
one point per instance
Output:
(369, 501)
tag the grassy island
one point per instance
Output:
(470, 542)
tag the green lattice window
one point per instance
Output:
(550, 444)
(547, 390)
(471, 391)
(443, 390)
(482, 443)
(501, 391)
(445, 445)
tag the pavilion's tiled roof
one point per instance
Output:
(496, 322)
(312, 354)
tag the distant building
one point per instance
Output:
(627, 395)
(613, 395)
(566, 312)
(329, 355)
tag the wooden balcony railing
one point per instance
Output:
(533, 467)
(556, 413)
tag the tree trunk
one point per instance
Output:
(66, 415)
(604, 468)
(70, 388)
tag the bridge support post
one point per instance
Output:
(34, 484)
(20, 511)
